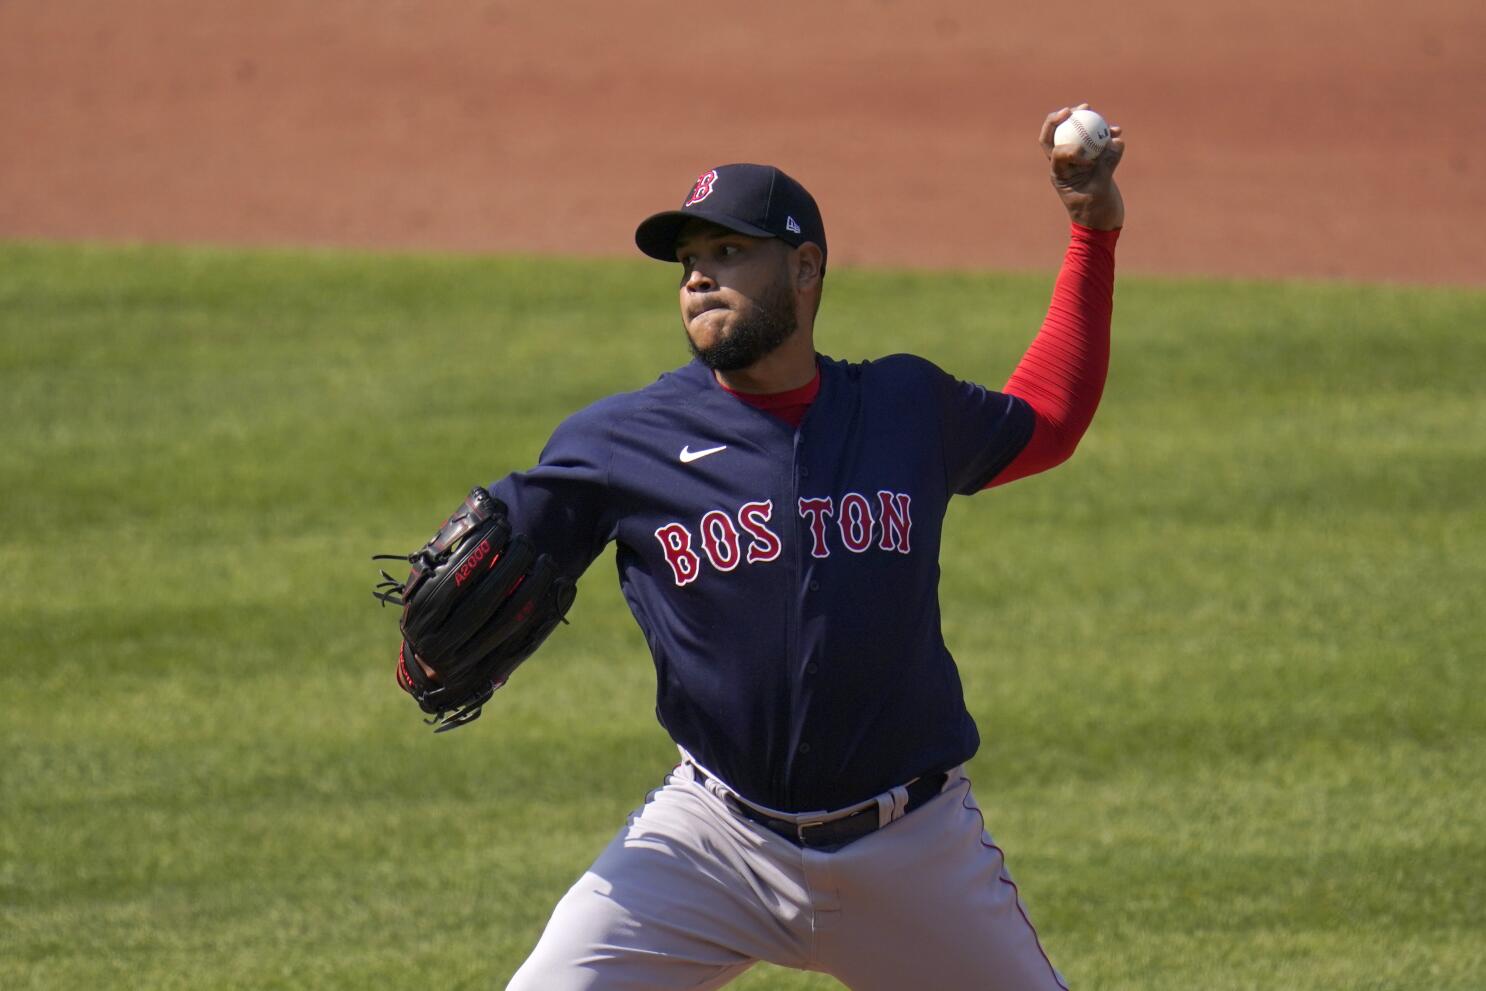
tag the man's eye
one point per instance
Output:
(730, 249)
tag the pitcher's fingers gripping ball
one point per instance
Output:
(478, 601)
(1084, 152)
(1086, 130)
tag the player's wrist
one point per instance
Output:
(1100, 214)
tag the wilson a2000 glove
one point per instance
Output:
(478, 601)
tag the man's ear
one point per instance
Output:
(807, 265)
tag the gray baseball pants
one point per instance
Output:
(690, 894)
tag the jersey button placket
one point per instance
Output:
(802, 559)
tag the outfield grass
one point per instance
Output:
(1228, 662)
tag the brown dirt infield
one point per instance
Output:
(1266, 138)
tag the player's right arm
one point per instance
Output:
(1062, 374)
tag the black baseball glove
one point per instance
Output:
(477, 603)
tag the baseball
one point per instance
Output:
(1085, 129)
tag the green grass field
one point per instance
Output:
(1228, 661)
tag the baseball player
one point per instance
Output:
(777, 516)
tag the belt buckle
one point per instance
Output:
(801, 827)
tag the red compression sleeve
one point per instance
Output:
(1062, 374)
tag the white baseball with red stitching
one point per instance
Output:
(1085, 129)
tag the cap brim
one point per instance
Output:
(656, 236)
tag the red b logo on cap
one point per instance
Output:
(703, 188)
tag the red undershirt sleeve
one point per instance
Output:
(1062, 374)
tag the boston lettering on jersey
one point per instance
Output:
(721, 539)
(785, 578)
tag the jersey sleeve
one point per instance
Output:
(981, 431)
(561, 502)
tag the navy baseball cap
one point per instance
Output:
(751, 199)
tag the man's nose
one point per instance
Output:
(699, 281)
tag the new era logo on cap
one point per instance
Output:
(759, 200)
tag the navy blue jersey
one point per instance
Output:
(786, 579)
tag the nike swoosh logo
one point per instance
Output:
(688, 455)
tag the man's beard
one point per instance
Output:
(762, 328)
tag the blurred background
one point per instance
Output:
(1268, 138)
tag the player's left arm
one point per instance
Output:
(1061, 376)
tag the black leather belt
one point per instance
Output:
(834, 832)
